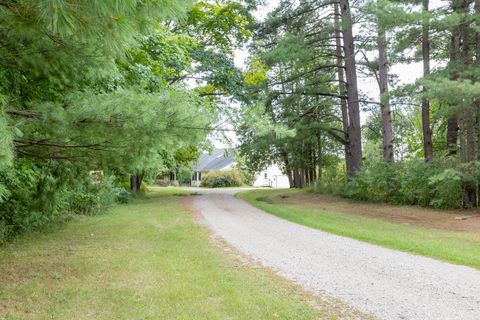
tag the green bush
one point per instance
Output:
(32, 198)
(415, 182)
(35, 195)
(122, 195)
(378, 183)
(92, 196)
(332, 179)
(4, 231)
(222, 179)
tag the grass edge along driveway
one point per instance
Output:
(144, 260)
(461, 248)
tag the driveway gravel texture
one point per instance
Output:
(382, 282)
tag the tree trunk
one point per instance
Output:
(426, 128)
(296, 178)
(461, 125)
(307, 177)
(354, 129)
(477, 62)
(452, 122)
(320, 157)
(469, 153)
(387, 132)
(290, 179)
(476, 102)
(470, 144)
(470, 135)
(136, 183)
(342, 89)
(302, 178)
(471, 188)
(288, 170)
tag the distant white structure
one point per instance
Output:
(218, 159)
(272, 177)
(224, 159)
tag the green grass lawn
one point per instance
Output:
(144, 260)
(456, 247)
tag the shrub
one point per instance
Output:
(92, 196)
(333, 179)
(377, 182)
(447, 189)
(415, 182)
(4, 231)
(222, 179)
(122, 195)
(32, 197)
(36, 195)
(144, 187)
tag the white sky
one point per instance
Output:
(407, 73)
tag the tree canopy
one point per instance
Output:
(312, 68)
(118, 87)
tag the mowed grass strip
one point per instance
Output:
(145, 260)
(456, 247)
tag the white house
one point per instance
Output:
(218, 159)
(224, 159)
(272, 177)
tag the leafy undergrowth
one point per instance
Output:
(453, 246)
(145, 260)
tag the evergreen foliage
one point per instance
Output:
(105, 86)
(302, 79)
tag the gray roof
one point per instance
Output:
(215, 160)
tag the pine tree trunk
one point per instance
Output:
(302, 178)
(426, 128)
(469, 196)
(288, 170)
(296, 178)
(476, 105)
(342, 89)
(477, 62)
(470, 135)
(461, 125)
(290, 179)
(387, 132)
(307, 177)
(320, 157)
(354, 129)
(452, 122)
(470, 187)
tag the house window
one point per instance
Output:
(265, 176)
(199, 176)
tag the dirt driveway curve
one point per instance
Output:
(386, 283)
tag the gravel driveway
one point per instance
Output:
(386, 283)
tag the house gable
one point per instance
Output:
(218, 159)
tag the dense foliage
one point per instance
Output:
(411, 182)
(121, 89)
(309, 79)
(222, 179)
